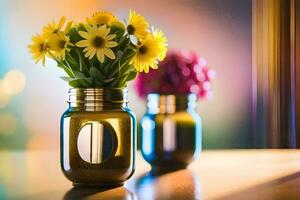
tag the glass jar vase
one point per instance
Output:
(98, 137)
(171, 132)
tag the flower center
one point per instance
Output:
(98, 42)
(41, 47)
(143, 50)
(62, 44)
(130, 29)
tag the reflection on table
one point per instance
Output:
(182, 184)
(118, 193)
(231, 174)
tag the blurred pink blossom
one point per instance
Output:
(181, 73)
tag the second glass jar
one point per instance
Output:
(171, 132)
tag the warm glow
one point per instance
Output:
(14, 82)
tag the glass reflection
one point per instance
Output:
(119, 193)
(181, 184)
(95, 142)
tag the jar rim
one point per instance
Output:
(170, 103)
(99, 89)
(97, 98)
(157, 96)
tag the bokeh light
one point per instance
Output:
(14, 82)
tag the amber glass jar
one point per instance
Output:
(171, 131)
(98, 137)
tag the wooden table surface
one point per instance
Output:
(229, 174)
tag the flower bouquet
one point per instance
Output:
(102, 51)
(99, 57)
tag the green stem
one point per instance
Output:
(65, 68)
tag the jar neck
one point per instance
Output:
(97, 99)
(170, 103)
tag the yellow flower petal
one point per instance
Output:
(61, 22)
(86, 49)
(137, 25)
(111, 44)
(97, 41)
(89, 28)
(58, 45)
(111, 37)
(102, 18)
(39, 48)
(100, 56)
(53, 28)
(151, 50)
(84, 34)
(109, 53)
(82, 43)
(103, 30)
(68, 27)
(92, 53)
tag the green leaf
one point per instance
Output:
(98, 84)
(91, 62)
(68, 71)
(122, 81)
(73, 33)
(105, 66)
(68, 79)
(115, 66)
(108, 80)
(79, 75)
(71, 59)
(119, 79)
(118, 31)
(86, 82)
(124, 43)
(71, 64)
(75, 84)
(127, 69)
(132, 75)
(120, 68)
(118, 57)
(96, 74)
(83, 67)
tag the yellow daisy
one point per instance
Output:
(137, 25)
(101, 18)
(51, 28)
(39, 48)
(149, 52)
(97, 42)
(59, 44)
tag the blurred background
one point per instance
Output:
(33, 97)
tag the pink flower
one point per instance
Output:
(181, 73)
